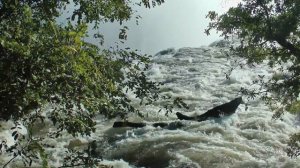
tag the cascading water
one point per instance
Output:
(248, 138)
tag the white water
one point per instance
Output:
(248, 138)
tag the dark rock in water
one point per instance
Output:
(175, 125)
(170, 126)
(128, 124)
(168, 51)
(216, 112)
(160, 125)
(184, 117)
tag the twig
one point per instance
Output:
(10, 161)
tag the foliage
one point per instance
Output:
(295, 107)
(294, 145)
(268, 30)
(45, 64)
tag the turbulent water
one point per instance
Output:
(248, 138)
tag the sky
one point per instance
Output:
(174, 24)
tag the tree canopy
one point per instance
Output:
(47, 65)
(268, 30)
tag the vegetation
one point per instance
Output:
(268, 30)
(49, 72)
(45, 66)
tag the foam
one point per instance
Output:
(246, 139)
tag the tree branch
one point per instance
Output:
(289, 46)
(10, 161)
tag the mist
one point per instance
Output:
(174, 24)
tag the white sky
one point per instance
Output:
(176, 23)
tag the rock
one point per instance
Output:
(118, 124)
(216, 112)
(171, 126)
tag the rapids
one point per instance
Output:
(248, 138)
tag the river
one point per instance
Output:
(248, 138)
